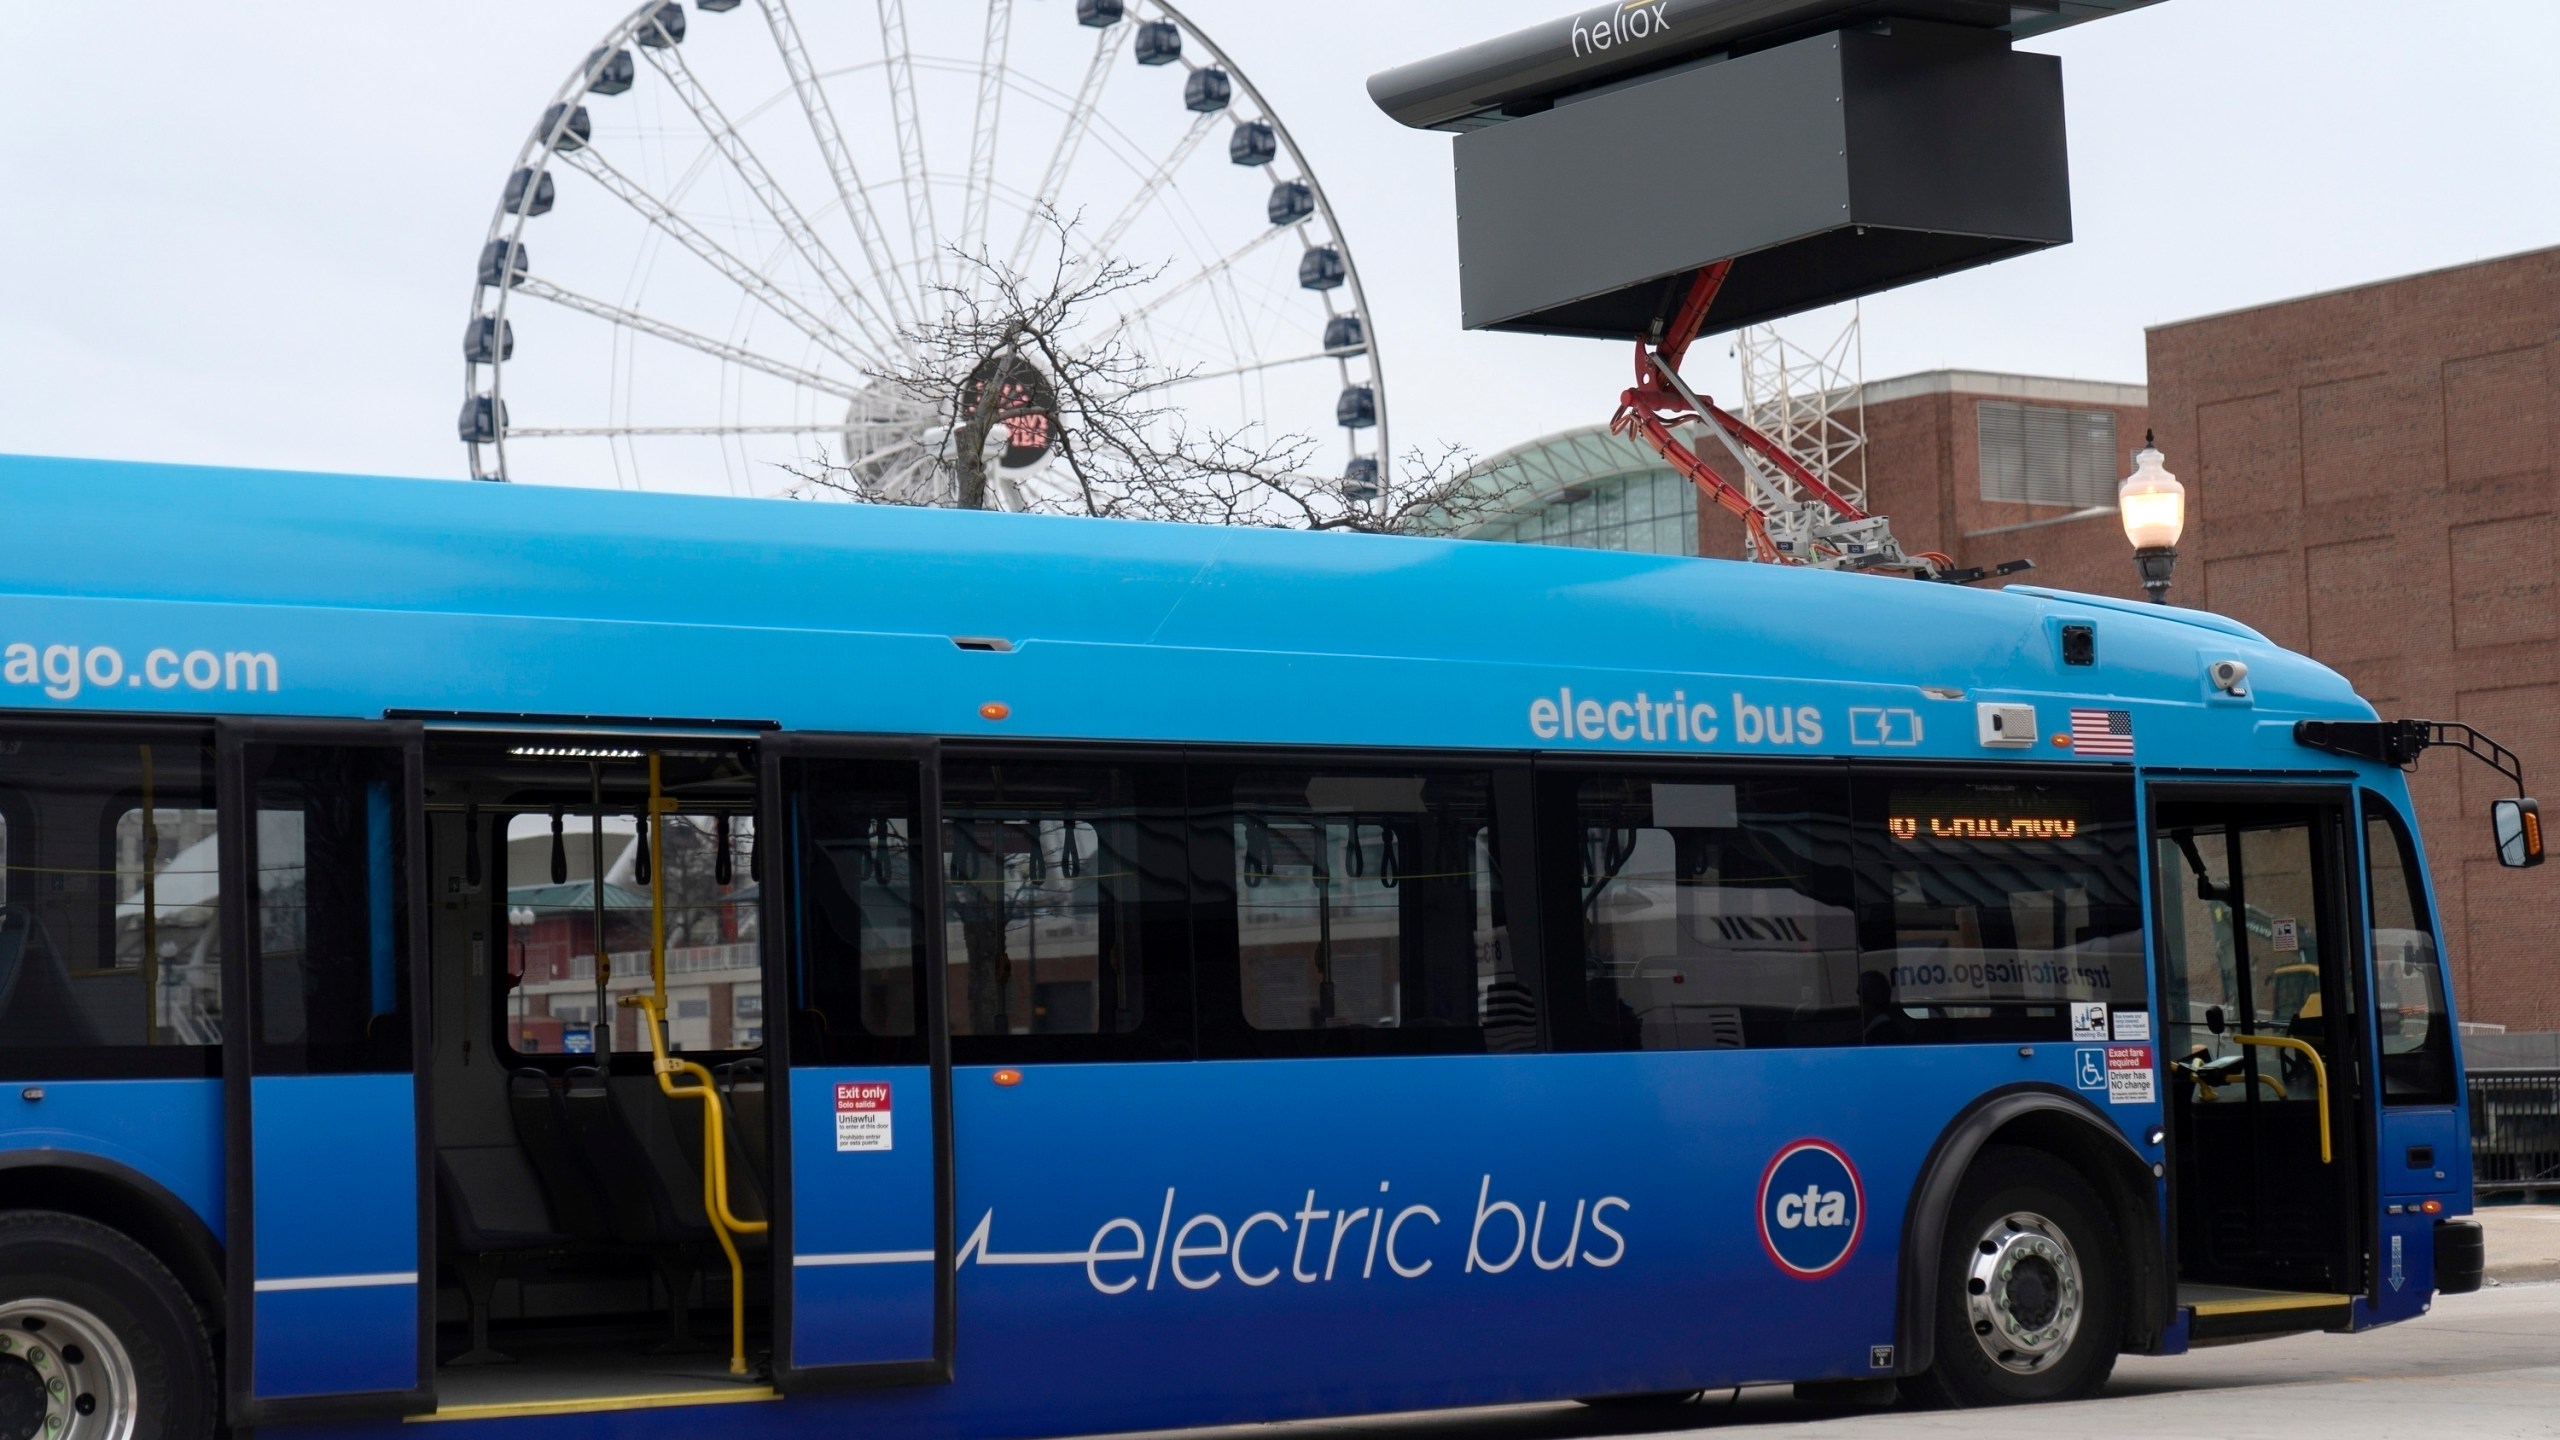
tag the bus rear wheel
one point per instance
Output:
(2030, 1290)
(98, 1341)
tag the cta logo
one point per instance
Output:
(1811, 1209)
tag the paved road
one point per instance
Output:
(2482, 1365)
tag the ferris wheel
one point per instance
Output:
(722, 234)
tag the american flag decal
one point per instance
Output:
(2102, 732)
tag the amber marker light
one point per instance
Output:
(2062, 741)
(1008, 1077)
(2433, 1207)
(994, 710)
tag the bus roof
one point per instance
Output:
(362, 595)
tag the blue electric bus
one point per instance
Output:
(518, 955)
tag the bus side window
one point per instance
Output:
(329, 930)
(109, 960)
(2408, 970)
(1713, 911)
(1988, 908)
(1062, 891)
(857, 948)
(1349, 911)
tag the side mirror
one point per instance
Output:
(2517, 827)
(2213, 1018)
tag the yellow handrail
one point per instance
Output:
(715, 1149)
(2206, 1091)
(2319, 1076)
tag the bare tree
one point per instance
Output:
(1015, 362)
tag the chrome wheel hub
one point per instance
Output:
(2024, 1292)
(63, 1375)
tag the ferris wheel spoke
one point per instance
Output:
(1157, 182)
(541, 289)
(850, 191)
(746, 277)
(742, 158)
(982, 128)
(1204, 275)
(873, 457)
(913, 175)
(1195, 377)
(619, 432)
(1079, 119)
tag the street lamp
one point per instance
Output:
(2154, 507)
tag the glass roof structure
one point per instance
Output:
(1587, 489)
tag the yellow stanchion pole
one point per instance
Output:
(725, 1226)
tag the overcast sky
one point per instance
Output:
(243, 234)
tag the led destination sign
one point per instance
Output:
(1983, 827)
(1971, 814)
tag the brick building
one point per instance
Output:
(1985, 468)
(2369, 479)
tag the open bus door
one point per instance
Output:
(2261, 935)
(860, 1063)
(322, 848)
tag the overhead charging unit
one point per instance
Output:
(1828, 149)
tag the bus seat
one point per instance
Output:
(647, 1209)
(646, 1205)
(36, 1002)
(668, 1131)
(578, 1205)
(494, 1218)
(741, 1091)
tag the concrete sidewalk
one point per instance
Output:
(2524, 1242)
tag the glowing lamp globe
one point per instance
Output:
(2153, 504)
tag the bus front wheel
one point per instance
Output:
(2030, 1290)
(98, 1341)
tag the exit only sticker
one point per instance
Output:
(862, 1115)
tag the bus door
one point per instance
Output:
(321, 851)
(861, 1063)
(2259, 935)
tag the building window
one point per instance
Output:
(2046, 454)
(1652, 513)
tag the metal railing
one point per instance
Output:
(2515, 1133)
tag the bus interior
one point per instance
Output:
(2258, 940)
(577, 1250)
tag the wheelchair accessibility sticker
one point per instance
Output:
(1811, 1209)
(2089, 1067)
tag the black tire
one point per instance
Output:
(48, 1258)
(1977, 1361)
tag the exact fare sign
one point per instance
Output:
(862, 1115)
